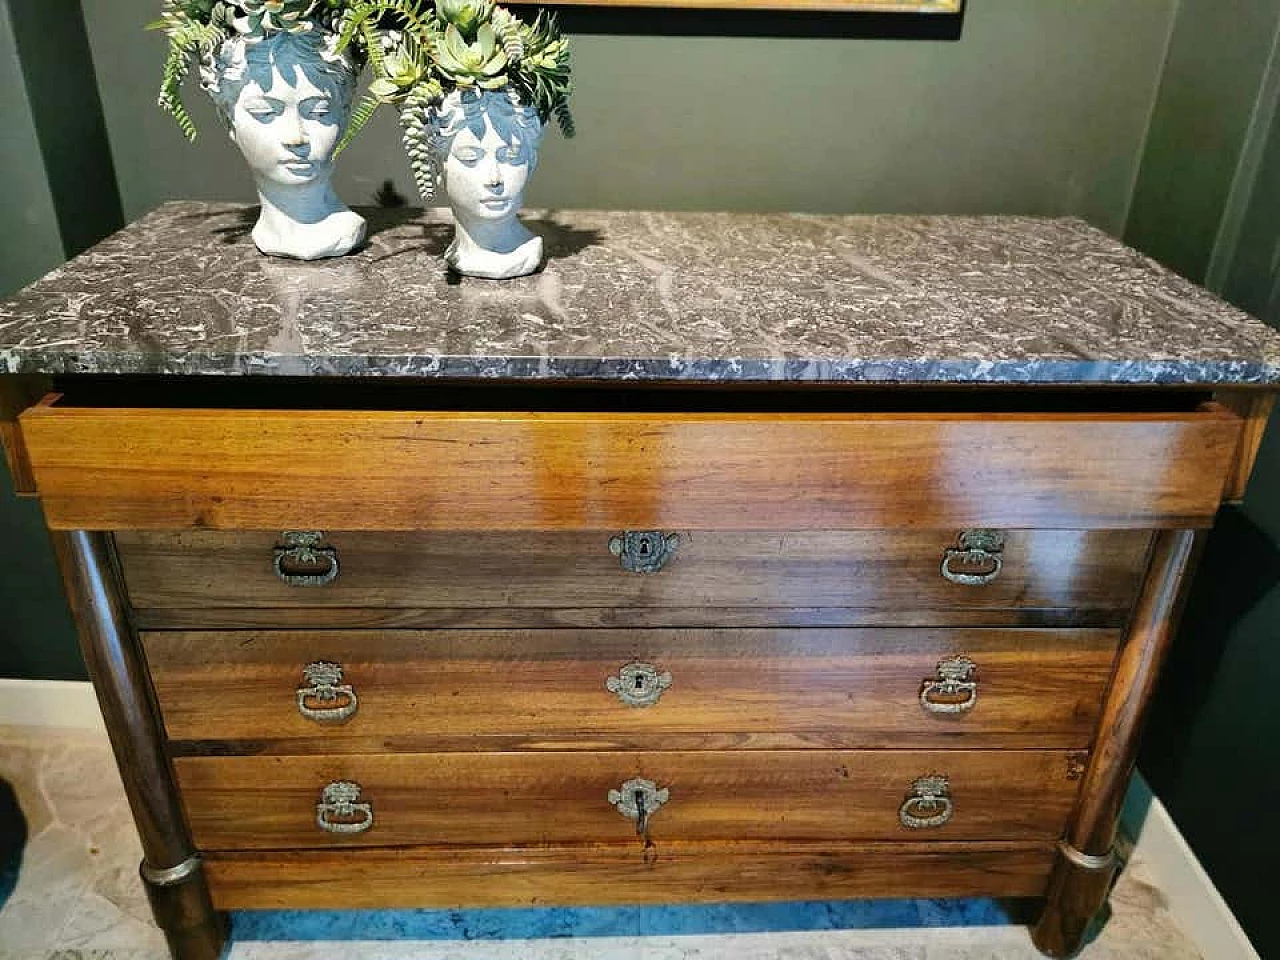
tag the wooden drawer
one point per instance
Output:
(468, 877)
(488, 799)
(545, 579)
(109, 468)
(546, 690)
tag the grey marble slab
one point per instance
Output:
(661, 296)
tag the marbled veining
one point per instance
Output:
(660, 296)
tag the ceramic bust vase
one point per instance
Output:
(483, 147)
(286, 99)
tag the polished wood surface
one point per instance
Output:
(623, 874)
(117, 667)
(123, 468)
(1254, 407)
(547, 689)
(527, 798)
(17, 393)
(635, 618)
(1078, 894)
(1091, 573)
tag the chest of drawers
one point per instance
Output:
(422, 641)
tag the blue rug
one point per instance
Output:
(559, 922)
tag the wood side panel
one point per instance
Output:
(526, 798)
(1254, 407)
(103, 468)
(622, 874)
(858, 688)
(17, 393)
(492, 572)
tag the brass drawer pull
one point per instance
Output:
(338, 811)
(977, 561)
(639, 684)
(929, 804)
(302, 562)
(644, 551)
(639, 800)
(335, 701)
(955, 690)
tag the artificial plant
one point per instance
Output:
(419, 51)
(196, 27)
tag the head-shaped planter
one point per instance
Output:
(286, 98)
(483, 145)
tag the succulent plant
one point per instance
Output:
(419, 52)
(481, 63)
(196, 27)
(258, 17)
(467, 15)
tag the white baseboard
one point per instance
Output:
(49, 703)
(1193, 900)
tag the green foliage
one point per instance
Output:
(196, 27)
(187, 40)
(419, 52)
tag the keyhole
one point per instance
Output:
(644, 547)
(639, 681)
(642, 815)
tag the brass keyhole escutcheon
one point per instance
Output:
(644, 551)
(639, 800)
(639, 684)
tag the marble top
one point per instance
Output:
(661, 296)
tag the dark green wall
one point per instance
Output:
(1208, 203)
(60, 197)
(1041, 107)
(30, 243)
(1209, 93)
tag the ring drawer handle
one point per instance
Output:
(644, 551)
(978, 560)
(639, 800)
(338, 701)
(339, 812)
(639, 684)
(954, 691)
(928, 806)
(302, 562)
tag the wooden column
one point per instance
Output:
(1086, 858)
(170, 869)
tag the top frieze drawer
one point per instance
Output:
(114, 468)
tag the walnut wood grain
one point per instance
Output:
(17, 393)
(493, 572)
(547, 689)
(1078, 894)
(116, 665)
(527, 798)
(637, 618)
(623, 874)
(1254, 407)
(109, 468)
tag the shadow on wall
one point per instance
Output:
(13, 837)
(1241, 565)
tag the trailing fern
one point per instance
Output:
(186, 41)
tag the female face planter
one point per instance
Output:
(485, 146)
(286, 100)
